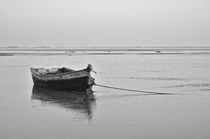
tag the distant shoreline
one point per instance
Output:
(101, 53)
(137, 48)
(76, 51)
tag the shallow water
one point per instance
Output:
(114, 114)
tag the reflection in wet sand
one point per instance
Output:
(78, 101)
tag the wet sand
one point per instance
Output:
(115, 113)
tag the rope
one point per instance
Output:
(131, 90)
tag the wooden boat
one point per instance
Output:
(63, 78)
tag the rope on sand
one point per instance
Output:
(131, 90)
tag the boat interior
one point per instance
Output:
(53, 70)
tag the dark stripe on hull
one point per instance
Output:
(71, 84)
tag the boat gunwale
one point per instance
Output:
(57, 74)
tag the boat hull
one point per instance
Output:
(73, 81)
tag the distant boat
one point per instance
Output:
(63, 78)
(158, 51)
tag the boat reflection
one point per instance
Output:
(79, 101)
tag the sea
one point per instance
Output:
(174, 102)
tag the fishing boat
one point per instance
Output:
(63, 78)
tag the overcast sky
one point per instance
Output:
(104, 22)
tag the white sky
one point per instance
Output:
(104, 22)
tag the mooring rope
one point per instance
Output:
(131, 90)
